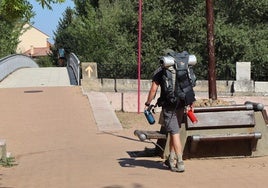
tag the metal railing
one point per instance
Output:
(14, 62)
(73, 66)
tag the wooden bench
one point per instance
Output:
(147, 135)
(215, 124)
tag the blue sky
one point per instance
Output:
(47, 20)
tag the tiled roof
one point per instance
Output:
(37, 52)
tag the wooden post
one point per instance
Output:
(3, 151)
(211, 51)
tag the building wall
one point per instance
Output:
(32, 38)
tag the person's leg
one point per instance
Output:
(172, 155)
(176, 145)
(172, 126)
(175, 160)
(177, 141)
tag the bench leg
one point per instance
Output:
(194, 144)
(254, 141)
(162, 143)
(166, 150)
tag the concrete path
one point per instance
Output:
(53, 136)
(104, 114)
(57, 77)
(37, 77)
(57, 143)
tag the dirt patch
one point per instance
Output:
(210, 102)
(133, 119)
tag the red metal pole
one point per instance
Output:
(139, 51)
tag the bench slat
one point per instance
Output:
(224, 119)
(252, 136)
(224, 108)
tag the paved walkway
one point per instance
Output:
(56, 141)
(34, 77)
(57, 77)
(103, 112)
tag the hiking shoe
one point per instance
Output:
(173, 168)
(180, 166)
(170, 163)
(167, 163)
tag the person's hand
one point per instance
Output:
(146, 105)
(190, 107)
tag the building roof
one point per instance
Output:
(39, 30)
(37, 52)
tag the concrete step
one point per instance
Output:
(103, 112)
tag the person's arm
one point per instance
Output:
(151, 94)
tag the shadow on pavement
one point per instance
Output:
(132, 163)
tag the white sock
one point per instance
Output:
(172, 156)
(179, 157)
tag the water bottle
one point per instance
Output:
(192, 116)
(149, 116)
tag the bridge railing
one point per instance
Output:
(13, 62)
(73, 65)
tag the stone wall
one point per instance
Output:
(243, 84)
(123, 93)
(225, 87)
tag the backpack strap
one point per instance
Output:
(173, 74)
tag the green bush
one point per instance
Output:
(45, 62)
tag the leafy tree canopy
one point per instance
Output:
(106, 32)
(13, 15)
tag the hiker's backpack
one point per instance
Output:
(178, 79)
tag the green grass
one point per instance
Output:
(8, 162)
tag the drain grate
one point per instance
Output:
(33, 91)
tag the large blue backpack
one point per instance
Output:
(178, 80)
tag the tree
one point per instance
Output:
(14, 10)
(106, 32)
(61, 34)
(8, 38)
(156, 36)
(13, 16)
(102, 35)
(114, 22)
(47, 3)
(189, 31)
(242, 36)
